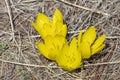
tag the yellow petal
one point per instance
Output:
(73, 45)
(41, 19)
(60, 28)
(79, 38)
(42, 25)
(75, 58)
(64, 30)
(57, 17)
(94, 51)
(85, 50)
(35, 26)
(42, 48)
(98, 44)
(62, 58)
(99, 41)
(89, 35)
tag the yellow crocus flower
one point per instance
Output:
(45, 26)
(42, 22)
(55, 46)
(70, 58)
(51, 47)
(87, 44)
(57, 23)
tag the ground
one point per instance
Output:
(19, 57)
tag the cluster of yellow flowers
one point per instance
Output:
(55, 46)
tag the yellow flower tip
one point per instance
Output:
(99, 41)
(33, 24)
(92, 27)
(42, 18)
(98, 49)
(98, 44)
(64, 30)
(89, 35)
(79, 38)
(58, 14)
(42, 48)
(38, 29)
(57, 17)
(37, 43)
(73, 42)
(103, 37)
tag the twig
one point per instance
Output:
(116, 62)
(96, 11)
(11, 20)
(108, 37)
(28, 65)
(33, 65)
(113, 37)
(22, 64)
(59, 74)
(2, 65)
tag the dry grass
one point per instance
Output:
(19, 58)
